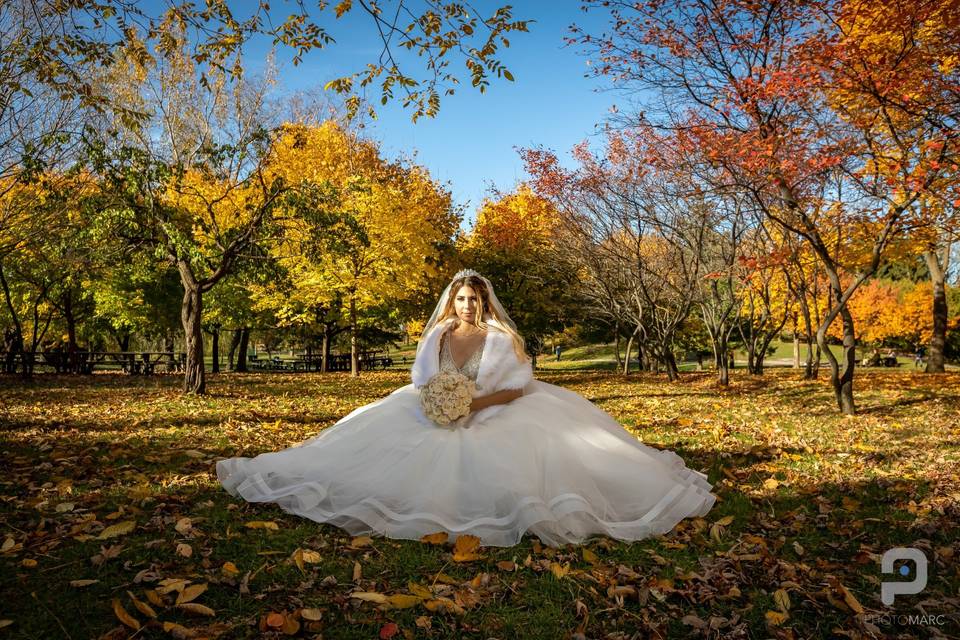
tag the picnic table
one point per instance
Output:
(341, 361)
(84, 362)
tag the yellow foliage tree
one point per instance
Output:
(361, 231)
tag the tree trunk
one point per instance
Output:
(325, 349)
(796, 343)
(194, 380)
(841, 373)
(720, 349)
(616, 345)
(670, 364)
(215, 350)
(354, 343)
(938, 341)
(242, 350)
(626, 361)
(234, 341)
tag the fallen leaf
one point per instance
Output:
(776, 618)
(851, 601)
(312, 615)
(435, 538)
(361, 541)
(465, 548)
(558, 570)
(403, 601)
(118, 529)
(83, 583)
(179, 631)
(369, 596)
(183, 526)
(259, 524)
(142, 607)
(389, 630)
(196, 608)
(191, 593)
(782, 600)
(125, 617)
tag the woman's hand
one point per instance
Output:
(497, 397)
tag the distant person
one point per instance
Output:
(918, 357)
(557, 350)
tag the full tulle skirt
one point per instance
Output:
(550, 463)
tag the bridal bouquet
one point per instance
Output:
(446, 397)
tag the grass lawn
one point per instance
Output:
(111, 513)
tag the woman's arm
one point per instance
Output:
(497, 397)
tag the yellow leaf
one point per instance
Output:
(257, 524)
(435, 538)
(782, 599)
(118, 529)
(290, 625)
(369, 596)
(312, 615)
(29, 563)
(196, 608)
(356, 570)
(361, 541)
(125, 617)
(179, 631)
(403, 601)
(230, 569)
(558, 570)
(311, 557)
(419, 590)
(776, 618)
(771, 483)
(444, 604)
(191, 593)
(185, 550)
(590, 556)
(82, 583)
(725, 521)
(142, 607)
(465, 548)
(507, 565)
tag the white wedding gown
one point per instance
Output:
(550, 463)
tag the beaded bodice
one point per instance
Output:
(470, 368)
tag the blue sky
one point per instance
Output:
(470, 144)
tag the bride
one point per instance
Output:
(529, 457)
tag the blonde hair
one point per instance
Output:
(485, 310)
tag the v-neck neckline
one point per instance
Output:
(483, 343)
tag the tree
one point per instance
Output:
(749, 85)
(193, 182)
(515, 242)
(893, 72)
(86, 34)
(356, 229)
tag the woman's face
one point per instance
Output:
(466, 303)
